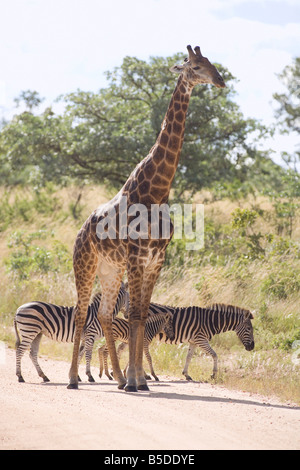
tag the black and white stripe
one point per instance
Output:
(34, 319)
(197, 325)
(154, 325)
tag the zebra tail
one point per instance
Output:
(18, 342)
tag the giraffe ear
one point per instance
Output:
(176, 68)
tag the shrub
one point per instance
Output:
(28, 257)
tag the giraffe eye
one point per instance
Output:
(196, 68)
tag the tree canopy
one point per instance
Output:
(102, 136)
(288, 112)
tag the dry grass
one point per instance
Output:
(267, 370)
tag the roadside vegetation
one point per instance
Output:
(50, 178)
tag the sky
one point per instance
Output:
(59, 46)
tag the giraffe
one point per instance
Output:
(142, 256)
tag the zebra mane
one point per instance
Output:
(96, 297)
(224, 308)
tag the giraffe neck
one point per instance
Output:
(151, 180)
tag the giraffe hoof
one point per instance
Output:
(131, 388)
(73, 386)
(45, 379)
(20, 379)
(143, 387)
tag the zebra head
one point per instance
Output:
(168, 328)
(244, 330)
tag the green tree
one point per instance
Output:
(288, 112)
(31, 99)
(286, 199)
(102, 136)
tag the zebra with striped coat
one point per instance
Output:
(35, 319)
(197, 325)
(154, 325)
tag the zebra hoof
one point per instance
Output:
(121, 386)
(143, 388)
(73, 386)
(130, 388)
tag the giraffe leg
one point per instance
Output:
(110, 282)
(141, 286)
(85, 267)
(149, 280)
(80, 316)
(135, 278)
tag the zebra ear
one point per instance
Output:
(248, 315)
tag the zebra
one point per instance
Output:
(58, 323)
(154, 325)
(197, 325)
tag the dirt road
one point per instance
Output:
(174, 415)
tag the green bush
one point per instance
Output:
(282, 281)
(28, 257)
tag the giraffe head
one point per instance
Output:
(198, 69)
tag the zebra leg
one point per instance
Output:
(100, 356)
(189, 355)
(80, 355)
(21, 347)
(103, 360)
(149, 359)
(34, 349)
(215, 368)
(204, 344)
(120, 350)
(88, 357)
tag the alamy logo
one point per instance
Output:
(137, 221)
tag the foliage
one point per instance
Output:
(251, 255)
(286, 202)
(102, 136)
(288, 112)
(37, 266)
(27, 257)
(289, 102)
(31, 99)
